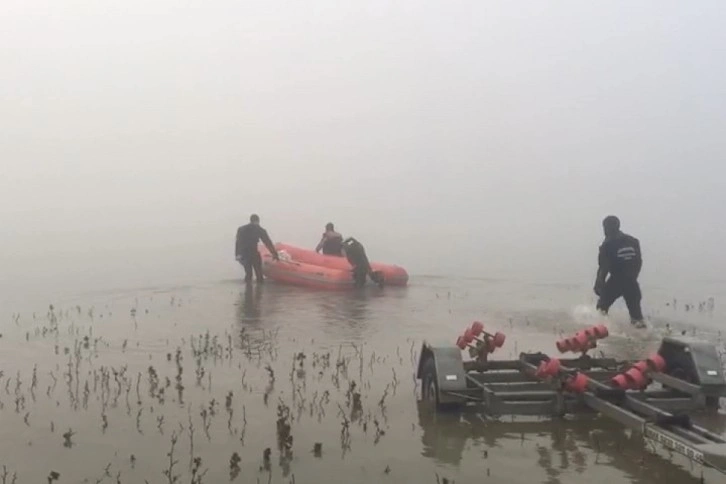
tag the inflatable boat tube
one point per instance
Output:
(307, 268)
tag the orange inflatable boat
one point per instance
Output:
(305, 267)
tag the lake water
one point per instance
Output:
(102, 386)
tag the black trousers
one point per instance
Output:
(360, 274)
(629, 289)
(252, 262)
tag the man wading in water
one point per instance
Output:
(245, 248)
(356, 255)
(621, 258)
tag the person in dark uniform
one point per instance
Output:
(356, 255)
(245, 251)
(620, 257)
(331, 243)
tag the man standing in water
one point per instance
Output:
(245, 251)
(356, 255)
(621, 258)
(331, 243)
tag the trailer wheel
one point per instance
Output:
(430, 388)
(713, 403)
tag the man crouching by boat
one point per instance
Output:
(245, 251)
(356, 255)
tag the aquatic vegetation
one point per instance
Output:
(8, 478)
(234, 468)
(115, 378)
(197, 473)
(67, 442)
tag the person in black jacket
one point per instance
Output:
(620, 257)
(356, 255)
(245, 251)
(331, 243)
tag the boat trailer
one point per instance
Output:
(653, 396)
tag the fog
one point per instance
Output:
(471, 138)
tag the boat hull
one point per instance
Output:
(307, 268)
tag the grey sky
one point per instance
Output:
(486, 138)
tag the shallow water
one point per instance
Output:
(98, 387)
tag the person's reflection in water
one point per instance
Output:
(249, 318)
(248, 308)
(355, 306)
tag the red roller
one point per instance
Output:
(579, 343)
(545, 369)
(596, 332)
(656, 362)
(570, 344)
(642, 366)
(573, 344)
(563, 345)
(601, 331)
(578, 383)
(477, 328)
(499, 339)
(468, 336)
(554, 367)
(489, 345)
(461, 343)
(583, 342)
(548, 368)
(636, 379)
(619, 381)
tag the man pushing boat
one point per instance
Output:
(356, 255)
(246, 252)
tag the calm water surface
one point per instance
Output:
(101, 387)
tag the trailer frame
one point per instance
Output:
(693, 381)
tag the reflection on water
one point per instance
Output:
(446, 435)
(348, 308)
(341, 316)
(248, 309)
(562, 446)
(713, 421)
